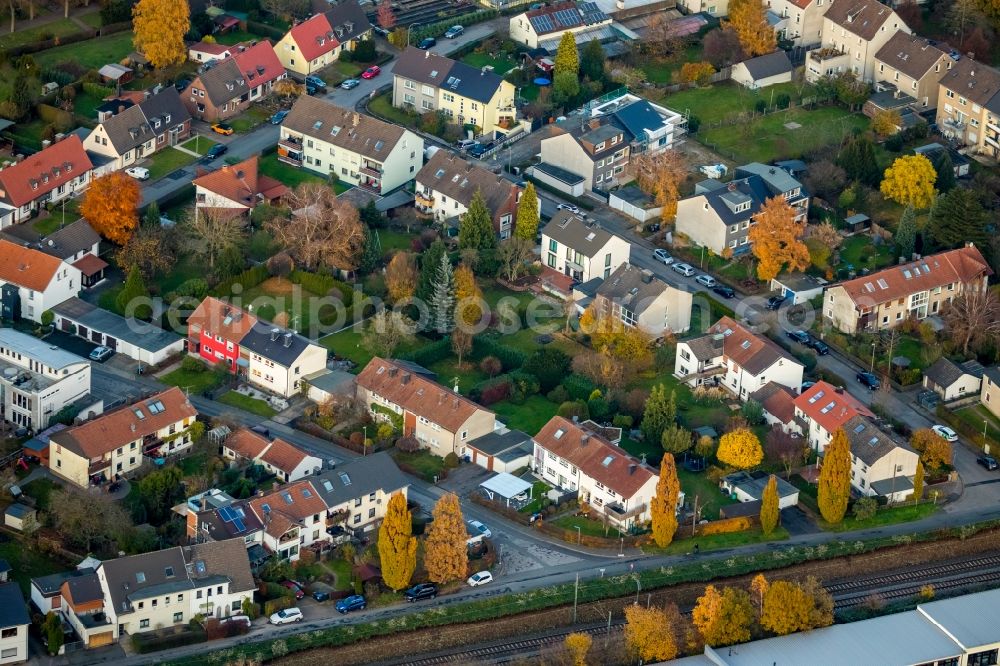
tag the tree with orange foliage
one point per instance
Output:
(385, 16)
(777, 240)
(699, 73)
(934, 449)
(111, 205)
(660, 176)
(749, 20)
(725, 617)
(401, 276)
(158, 28)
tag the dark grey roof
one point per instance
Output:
(559, 173)
(139, 333)
(164, 104)
(136, 124)
(115, 105)
(85, 588)
(226, 560)
(792, 166)
(599, 134)
(724, 200)
(348, 14)
(4, 566)
(769, 65)
(447, 74)
(799, 281)
(944, 372)
(415, 368)
(638, 117)
(993, 373)
(210, 522)
(71, 239)
(868, 442)
(753, 484)
(590, 287)
(359, 477)
(132, 577)
(634, 196)
(632, 288)
(49, 585)
(586, 238)
(13, 612)
(224, 81)
(899, 484)
(332, 381)
(705, 347)
(284, 349)
(519, 451)
(777, 180)
(494, 443)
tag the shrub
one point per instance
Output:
(194, 288)
(430, 354)
(490, 345)
(623, 421)
(451, 460)
(498, 390)
(558, 395)
(726, 526)
(274, 605)
(491, 366)
(760, 106)
(524, 382)
(782, 101)
(62, 120)
(578, 386)
(577, 408)
(549, 365)
(865, 508)
(408, 444)
(191, 364)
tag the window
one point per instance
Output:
(179, 617)
(371, 512)
(144, 624)
(985, 658)
(410, 85)
(357, 519)
(8, 652)
(9, 633)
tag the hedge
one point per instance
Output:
(323, 285)
(265, 30)
(97, 90)
(726, 525)
(45, 44)
(430, 354)
(247, 280)
(152, 642)
(578, 386)
(491, 390)
(439, 28)
(272, 606)
(55, 116)
(488, 345)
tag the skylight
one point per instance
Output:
(346, 480)
(858, 428)
(907, 274)
(287, 497)
(819, 394)
(327, 486)
(559, 433)
(828, 408)
(140, 413)
(155, 407)
(873, 441)
(745, 344)
(317, 124)
(607, 461)
(883, 284)
(140, 577)
(306, 494)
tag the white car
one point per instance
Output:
(945, 433)
(139, 173)
(570, 207)
(479, 527)
(286, 616)
(661, 255)
(481, 578)
(706, 280)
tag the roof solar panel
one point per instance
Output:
(227, 514)
(542, 23)
(239, 525)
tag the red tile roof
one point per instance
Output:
(287, 506)
(208, 47)
(314, 37)
(242, 183)
(246, 443)
(90, 265)
(829, 408)
(26, 267)
(777, 400)
(220, 318)
(259, 63)
(594, 456)
(43, 172)
(754, 353)
(284, 456)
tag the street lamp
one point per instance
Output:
(638, 588)
(579, 536)
(364, 441)
(873, 358)
(986, 447)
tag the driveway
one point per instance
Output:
(797, 522)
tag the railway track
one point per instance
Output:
(946, 576)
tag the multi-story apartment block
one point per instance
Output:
(229, 86)
(113, 444)
(598, 150)
(918, 289)
(914, 65)
(968, 109)
(799, 21)
(442, 420)
(880, 466)
(14, 623)
(615, 484)
(581, 250)
(318, 41)
(353, 147)
(824, 409)
(640, 300)
(853, 32)
(58, 171)
(136, 132)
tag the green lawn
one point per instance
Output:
(199, 144)
(526, 339)
(91, 54)
(247, 404)
(468, 375)
(60, 216)
(479, 60)
(184, 269)
(662, 71)
(193, 382)
(85, 105)
(716, 541)
(93, 19)
(723, 100)
(529, 417)
(27, 563)
(59, 28)
(108, 300)
(289, 175)
(382, 106)
(28, 135)
(167, 161)
(885, 516)
(335, 74)
(342, 570)
(235, 37)
(588, 526)
(249, 119)
(653, 452)
(347, 344)
(710, 498)
(426, 464)
(538, 490)
(274, 295)
(975, 416)
(859, 252)
(394, 240)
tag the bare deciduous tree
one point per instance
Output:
(781, 447)
(386, 331)
(208, 232)
(514, 254)
(973, 318)
(323, 229)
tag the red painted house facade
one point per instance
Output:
(215, 329)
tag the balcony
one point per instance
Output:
(289, 537)
(290, 151)
(825, 54)
(617, 512)
(373, 170)
(96, 468)
(954, 124)
(372, 185)
(424, 200)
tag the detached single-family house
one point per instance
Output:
(318, 41)
(798, 288)
(286, 461)
(236, 188)
(113, 444)
(918, 289)
(598, 150)
(880, 466)
(763, 71)
(581, 250)
(640, 300)
(442, 420)
(617, 485)
(733, 356)
(989, 396)
(232, 84)
(954, 381)
(14, 622)
(912, 65)
(76, 244)
(139, 131)
(854, 31)
(824, 409)
(545, 26)
(58, 171)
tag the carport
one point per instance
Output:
(507, 489)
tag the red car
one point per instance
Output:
(296, 589)
(371, 72)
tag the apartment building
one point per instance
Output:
(14, 623)
(318, 41)
(914, 66)
(60, 170)
(352, 147)
(545, 26)
(236, 188)
(969, 106)
(227, 87)
(597, 150)
(733, 356)
(37, 381)
(424, 81)
(142, 129)
(853, 33)
(718, 215)
(615, 484)
(113, 444)
(823, 409)
(918, 289)
(581, 250)
(648, 127)
(799, 21)
(880, 466)
(286, 461)
(639, 300)
(442, 420)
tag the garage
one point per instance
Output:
(139, 340)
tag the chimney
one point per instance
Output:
(631, 469)
(594, 123)
(59, 137)
(355, 119)
(393, 372)
(839, 389)
(46, 143)
(584, 439)
(406, 379)
(288, 340)
(274, 334)
(146, 94)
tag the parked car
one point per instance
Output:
(799, 336)
(321, 595)
(315, 81)
(312, 90)
(570, 207)
(286, 616)
(805, 386)
(775, 302)
(684, 269)
(945, 433)
(479, 527)
(870, 380)
(351, 603)
(279, 116)
(222, 128)
(480, 149)
(724, 291)
(380, 31)
(481, 578)
(989, 462)
(465, 144)
(139, 173)
(454, 31)
(706, 280)
(819, 346)
(653, 227)
(182, 84)
(662, 256)
(371, 72)
(350, 84)
(101, 354)
(218, 150)
(421, 591)
(296, 589)
(426, 43)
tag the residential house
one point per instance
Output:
(285, 461)
(989, 396)
(32, 282)
(824, 409)
(349, 146)
(779, 182)
(733, 356)
(640, 300)
(917, 289)
(714, 8)
(853, 32)
(615, 484)
(914, 65)
(215, 329)
(318, 41)
(880, 466)
(446, 185)
(749, 487)
(968, 109)
(232, 84)
(46, 591)
(763, 71)
(82, 607)
(798, 288)
(442, 420)
(14, 622)
(545, 26)
(356, 493)
(581, 250)
(76, 244)
(139, 131)
(113, 444)
(208, 51)
(954, 381)
(778, 403)
(424, 81)
(58, 171)
(648, 127)
(39, 382)
(167, 588)
(293, 517)
(236, 188)
(799, 21)
(718, 215)
(598, 150)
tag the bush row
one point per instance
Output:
(265, 30)
(439, 28)
(430, 354)
(323, 285)
(726, 525)
(151, 642)
(247, 280)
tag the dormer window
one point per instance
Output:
(166, 117)
(599, 146)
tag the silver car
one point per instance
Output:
(684, 269)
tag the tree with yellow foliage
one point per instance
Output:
(749, 20)
(758, 590)
(740, 448)
(769, 513)
(834, 487)
(111, 204)
(886, 122)
(649, 635)
(777, 240)
(610, 337)
(468, 297)
(397, 547)
(578, 645)
(660, 175)
(787, 608)
(446, 555)
(663, 507)
(723, 618)
(158, 28)
(401, 276)
(918, 483)
(934, 449)
(910, 181)
(699, 73)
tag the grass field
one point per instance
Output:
(194, 382)
(588, 526)
(92, 54)
(715, 541)
(710, 498)
(93, 19)
(280, 295)
(199, 144)
(247, 404)
(426, 464)
(235, 37)
(663, 71)
(861, 253)
(530, 416)
(59, 28)
(28, 135)
(723, 100)
(167, 161)
(65, 213)
(479, 60)
(382, 106)
(467, 376)
(885, 516)
(347, 344)
(394, 240)
(286, 173)
(85, 105)
(978, 417)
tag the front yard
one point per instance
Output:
(529, 416)
(500, 65)
(167, 161)
(710, 498)
(193, 382)
(90, 54)
(199, 144)
(422, 463)
(347, 343)
(247, 404)
(292, 176)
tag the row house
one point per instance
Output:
(912, 66)
(968, 109)
(918, 289)
(285, 461)
(617, 485)
(59, 171)
(581, 250)
(140, 130)
(77, 597)
(229, 86)
(352, 147)
(236, 189)
(114, 444)
(318, 41)
(442, 420)
(823, 409)
(733, 356)
(853, 33)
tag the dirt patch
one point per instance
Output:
(277, 286)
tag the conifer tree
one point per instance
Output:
(442, 300)
(526, 226)
(475, 229)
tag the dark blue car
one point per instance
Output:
(214, 152)
(870, 380)
(353, 602)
